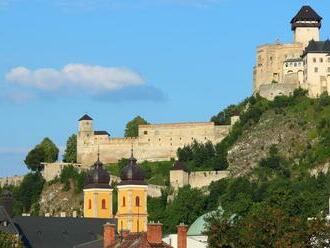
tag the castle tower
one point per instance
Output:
(98, 193)
(85, 125)
(306, 26)
(132, 198)
(85, 133)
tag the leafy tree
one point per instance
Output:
(46, 152)
(70, 175)
(28, 193)
(9, 241)
(132, 127)
(186, 207)
(70, 154)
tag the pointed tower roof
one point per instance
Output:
(306, 13)
(97, 176)
(86, 117)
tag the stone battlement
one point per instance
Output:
(11, 181)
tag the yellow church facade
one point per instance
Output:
(132, 213)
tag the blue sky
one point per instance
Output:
(166, 60)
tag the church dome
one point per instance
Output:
(97, 176)
(132, 173)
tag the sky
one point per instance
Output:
(165, 60)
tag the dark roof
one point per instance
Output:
(306, 13)
(294, 60)
(50, 232)
(86, 117)
(132, 173)
(317, 47)
(101, 133)
(178, 165)
(6, 223)
(93, 244)
(97, 176)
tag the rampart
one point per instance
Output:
(11, 181)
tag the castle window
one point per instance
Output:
(124, 202)
(149, 140)
(321, 60)
(145, 132)
(328, 69)
(329, 59)
(316, 69)
(295, 64)
(137, 201)
(159, 139)
(89, 204)
(103, 204)
(314, 60)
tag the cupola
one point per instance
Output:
(132, 173)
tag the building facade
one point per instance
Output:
(155, 142)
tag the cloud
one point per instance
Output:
(79, 80)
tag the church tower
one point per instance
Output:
(132, 198)
(306, 26)
(98, 193)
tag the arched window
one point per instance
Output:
(103, 204)
(137, 201)
(89, 204)
(124, 201)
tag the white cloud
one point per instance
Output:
(87, 77)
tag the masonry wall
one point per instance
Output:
(11, 181)
(270, 91)
(154, 143)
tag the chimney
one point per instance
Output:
(108, 235)
(155, 233)
(182, 236)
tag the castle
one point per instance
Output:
(282, 68)
(155, 142)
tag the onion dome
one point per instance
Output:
(132, 174)
(7, 200)
(97, 176)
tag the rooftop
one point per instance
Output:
(86, 117)
(317, 47)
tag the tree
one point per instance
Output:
(8, 240)
(132, 127)
(70, 154)
(46, 152)
(28, 193)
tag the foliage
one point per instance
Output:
(70, 154)
(9, 241)
(27, 194)
(46, 152)
(132, 127)
(186, 207)
(71, 175)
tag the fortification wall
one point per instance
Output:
(270, 91)
(154, 143)
(53, 170)
(201, 179)
(11, 181)
(198, 179)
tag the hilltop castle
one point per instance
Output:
(282, 68)
(155, 142)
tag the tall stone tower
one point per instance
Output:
(132, 198)
(306, 26)
(85, 133)
(98, 193)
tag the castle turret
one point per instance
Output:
(132, 198)
(86, 125)
(306, 25)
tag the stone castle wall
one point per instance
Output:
(154, 142)
(270, 91)
(11, 181)
(198, 179)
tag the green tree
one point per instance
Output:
(132, 127)
(9, 241)
(28, 193)
(70, 154)
(46, 152)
